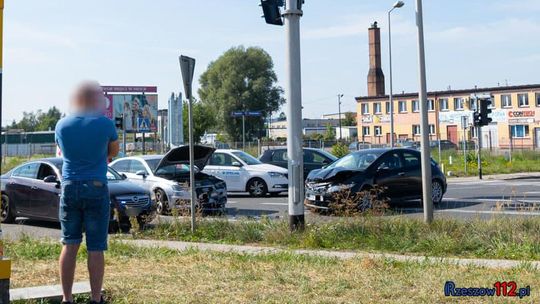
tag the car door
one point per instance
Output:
(279, 158)
(229, 169)
(46, 201)
(389, 174)
(413, 173)
(22, 184)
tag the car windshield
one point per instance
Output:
(112, 175)
(357, 160)
(248, 159)
(152, 163)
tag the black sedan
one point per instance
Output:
(33, 190)
(313, 158)
(396, 171)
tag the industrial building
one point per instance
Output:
(515, 112)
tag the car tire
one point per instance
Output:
(437, 192)
(6, 216)
(257, 187)
(162, 204)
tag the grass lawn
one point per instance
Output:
(522, 161)
(497, 238)
(140, 275)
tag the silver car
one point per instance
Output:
(167, 178)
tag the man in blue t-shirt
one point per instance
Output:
(87, 139)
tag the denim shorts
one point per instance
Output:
(85, 205)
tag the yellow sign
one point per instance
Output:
(5, 269)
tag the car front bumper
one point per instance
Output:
(278, 184)
(317, 199)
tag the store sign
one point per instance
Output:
(520, 114)
(367, 119)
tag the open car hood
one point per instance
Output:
(180, 155)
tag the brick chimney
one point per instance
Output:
(375, 75)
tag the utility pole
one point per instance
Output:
(187, 66)
(339, 114)
(424, 126)
(294, 115)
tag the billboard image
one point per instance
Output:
(140, 111)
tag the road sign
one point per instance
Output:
(187, 65)
(246, 113)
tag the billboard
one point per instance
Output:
(139, 110)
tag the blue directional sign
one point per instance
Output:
(246, 113)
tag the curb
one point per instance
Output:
(255, 250)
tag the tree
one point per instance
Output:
(242, 79)
(330, 133)
(38, 121)
(203, 120)
(349, 120)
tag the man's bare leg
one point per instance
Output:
(96, 268)
(68, 260)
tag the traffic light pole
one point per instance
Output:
(480, 152)
(294, 116)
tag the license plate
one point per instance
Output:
(313, 197)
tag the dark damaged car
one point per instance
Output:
(32, 190)
(167, 179)
(397, 172)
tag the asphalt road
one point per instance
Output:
(515, 197)
(464, 199)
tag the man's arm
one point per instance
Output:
(114, 148)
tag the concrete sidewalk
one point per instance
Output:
(182, 246)
(524, 175)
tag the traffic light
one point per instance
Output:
(477, 119)
(119, 123)
(485, 111)
(272, 11)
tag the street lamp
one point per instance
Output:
(390, 99)
(339, 114)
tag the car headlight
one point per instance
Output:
(276, 174)
(339, 188)
(177, 187)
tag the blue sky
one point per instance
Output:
(49, 46)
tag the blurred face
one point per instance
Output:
(88, 97)
(136, 104)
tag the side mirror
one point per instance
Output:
(124, 176)
(141, 173)
(237, 164)
(383, 169)
(51, 179)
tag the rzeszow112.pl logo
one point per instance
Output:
(499, 289)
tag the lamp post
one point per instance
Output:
(390, 98)
(339, 114)
(424, 126)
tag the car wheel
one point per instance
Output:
(257, 187)
(161, 202)
(436, 192)
(6, 212)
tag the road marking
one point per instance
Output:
(532, 192)
(232, 202)
(276, 204)
(472, 211)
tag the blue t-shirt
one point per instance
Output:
(84, 142)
